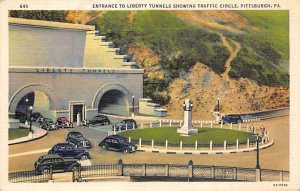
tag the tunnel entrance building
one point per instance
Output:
(65, 69)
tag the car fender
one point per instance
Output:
(126, 147)
(85, 122)
(81, 154)
(41, 168)
(72, 165)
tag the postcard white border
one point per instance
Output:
(293, 184)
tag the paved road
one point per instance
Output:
(275, 157)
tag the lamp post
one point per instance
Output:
(30, 121)
(257, 136)
(132, 105)
(257, 152)
(26, 111)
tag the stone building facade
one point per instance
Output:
(63, 69)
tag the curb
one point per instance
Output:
(22, 140)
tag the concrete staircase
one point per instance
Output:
(100, 53)
(147, 107)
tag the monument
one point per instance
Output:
(187, 128)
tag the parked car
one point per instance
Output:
(234, 118)
(69, 150)
(77, 139)
(48, 124)
(37, 117)
(56, 163)
(130, 123)
(22, 119)
(97, 120)
(62, 122)
(117, 143)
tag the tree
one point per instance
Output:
(58, 16)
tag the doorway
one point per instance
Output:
(75, 108)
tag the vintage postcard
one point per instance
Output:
(149, 95)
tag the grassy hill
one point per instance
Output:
(265, 53)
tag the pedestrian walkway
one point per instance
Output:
(30, 152)
(37, 133)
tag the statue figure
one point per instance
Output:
(187, 127)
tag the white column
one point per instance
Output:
(248, 143)
(114, 129)
(240, 126)
(160, 123)
(230, 125)
(129, 139)
(152, 144)
(221, 124)
(142, 126)
(170, 123)
(210, 145)
(151, 124)
(133, 125)
(225, 145)
(201, 124)
(237, 144)
(180, 145)
(196, 145)
(211, 125)
(78, 119)
(140, 143)
(166, 144)
(126, 127)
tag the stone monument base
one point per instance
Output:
(187, 131)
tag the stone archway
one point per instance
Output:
(54, 101)
(113, 99)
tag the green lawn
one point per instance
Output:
(17, 133)
(160, 135)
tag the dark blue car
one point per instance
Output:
(68, 150)
(56, 163)
(117, 143)
(234, 118)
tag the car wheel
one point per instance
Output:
(84, 157)
(46, 171)
(126, 151)
(104, 147)
(90, 125)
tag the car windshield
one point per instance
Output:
(78, 135)
(40, 159)
(121, 140)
